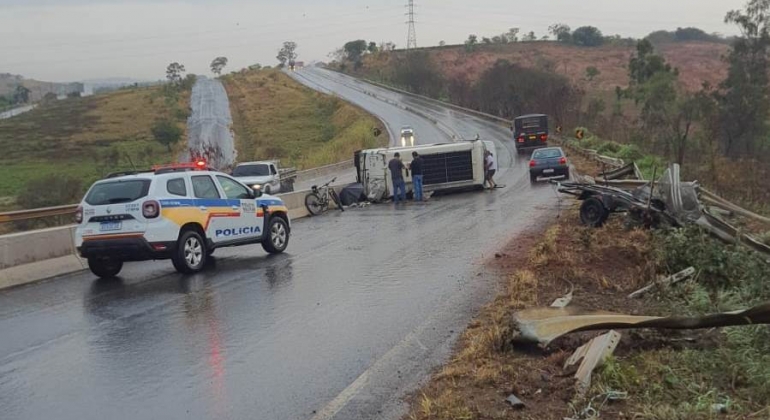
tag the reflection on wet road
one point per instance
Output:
(362, 305)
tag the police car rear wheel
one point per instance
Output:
(278, 236)
(105, 268)
(191, 253)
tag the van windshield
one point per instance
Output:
(115, 192)
(251, 170)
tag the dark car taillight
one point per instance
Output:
(532, 163)
(544, 137)
(563, 161)
(150, 209)
(79, 215)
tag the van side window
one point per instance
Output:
(176, 187)
(204, 187)
(272, 169)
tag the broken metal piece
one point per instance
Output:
(543, 325)
(515, 401)
(676, 278)
(593, 354)
(562, 301)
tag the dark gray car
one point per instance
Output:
(548, 162)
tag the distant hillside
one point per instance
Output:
(697, 62)
(38, 89)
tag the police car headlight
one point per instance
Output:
(256, 187)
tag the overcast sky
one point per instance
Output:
(68, 40)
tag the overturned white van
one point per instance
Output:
(447, 166)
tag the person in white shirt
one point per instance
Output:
(490, 166)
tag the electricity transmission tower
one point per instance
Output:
(411, 40)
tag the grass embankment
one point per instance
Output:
(274, 117)
(83, 138)
(667, 375)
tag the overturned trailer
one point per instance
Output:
(447, 166)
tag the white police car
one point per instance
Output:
(181, 212)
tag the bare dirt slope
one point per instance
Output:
(697, 61)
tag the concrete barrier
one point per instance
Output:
(27, 257)
(324, 170)
(27, 247)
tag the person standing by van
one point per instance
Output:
(397, 169)
(416, 168)
(490, 164)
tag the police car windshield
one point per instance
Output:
(115, 192)
(252, 170)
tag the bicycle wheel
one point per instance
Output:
(313, 204)
(336, 199)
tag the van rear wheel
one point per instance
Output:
(105, 268)
(191, 253)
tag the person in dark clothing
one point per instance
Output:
(416, 168)
(397, 169)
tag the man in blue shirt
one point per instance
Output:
(416, 168)
(397, 169)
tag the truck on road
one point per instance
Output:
(530, 132)
(267, 175)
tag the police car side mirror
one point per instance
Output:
(256, 191)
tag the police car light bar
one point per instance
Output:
(198, 165)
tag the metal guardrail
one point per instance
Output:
(19, 215)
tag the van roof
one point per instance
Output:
(530, 116)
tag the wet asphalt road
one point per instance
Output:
(361, 307)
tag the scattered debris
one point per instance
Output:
(562, 301)
(676, 278)
(668, 201)
(515, 402)
(543, 325)
(719, 408)
(593, 354)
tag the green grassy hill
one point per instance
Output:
(274, 117)
(83, 138)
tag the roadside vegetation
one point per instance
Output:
(274, 117)
(55, 151)
(700, 374)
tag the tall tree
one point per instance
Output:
(471, 42)
(587, 36)
(175, 73)
(354, 50)
(166, 132)
(287, 53)
(21, 95)
(218, 64)
(561, 31)
(744, 95)
(372, 48)
(668, 115)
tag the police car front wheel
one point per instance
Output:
(191, 253)
(277, 236)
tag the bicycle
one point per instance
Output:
(317, 201)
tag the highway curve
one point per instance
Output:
(361, 307)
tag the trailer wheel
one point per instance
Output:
(593, 213)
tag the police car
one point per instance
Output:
(181, 212)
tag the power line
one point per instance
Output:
(411, 38)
